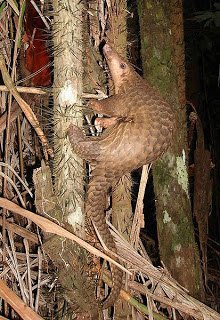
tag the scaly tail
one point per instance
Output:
(95, 206)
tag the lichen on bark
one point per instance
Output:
(162, 42)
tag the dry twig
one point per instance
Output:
(138, 221)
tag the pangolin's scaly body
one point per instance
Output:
(140, 131)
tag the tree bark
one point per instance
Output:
(68, 167)
(162, 48)
(71, 261)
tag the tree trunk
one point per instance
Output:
(68, 167)
(72, 261)
(162, 48)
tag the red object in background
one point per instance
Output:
(37, 56)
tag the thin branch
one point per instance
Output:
(26, 245)
(20, 281)
(25, 90)
(138, 215)
(38, 279)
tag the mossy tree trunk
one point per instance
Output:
(162, 49)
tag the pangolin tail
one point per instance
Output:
(99, 186)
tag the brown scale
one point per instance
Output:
(141, 129)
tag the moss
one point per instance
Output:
(178, 233)
(159, 62)
(159, 16)
(144, 43)
(164, 177)
(184, 233)
(176, 240)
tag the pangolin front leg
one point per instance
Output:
(99, 185)
(110, 107)
(106, 122)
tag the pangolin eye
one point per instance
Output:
(122, 65)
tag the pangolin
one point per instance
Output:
(141, 126)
